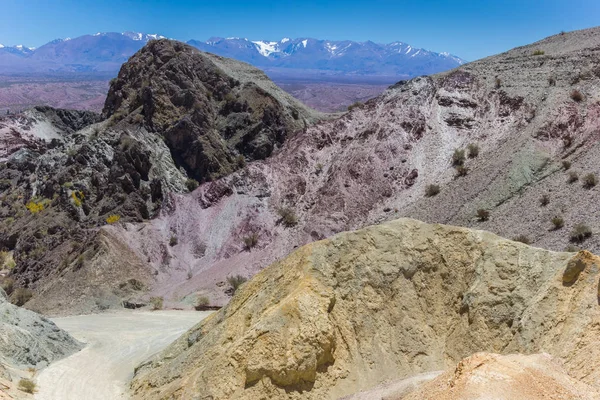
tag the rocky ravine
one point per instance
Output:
(376, 162)
(384, 303)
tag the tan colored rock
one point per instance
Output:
(380, 304)
(577, 265)
(515, 376)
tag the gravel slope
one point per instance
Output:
(116, 343)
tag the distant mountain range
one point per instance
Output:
(103, 53)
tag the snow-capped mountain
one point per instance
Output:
(332, 57)
(103, 53)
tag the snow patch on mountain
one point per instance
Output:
(266, 48)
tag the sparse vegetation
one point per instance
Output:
(126, 142)
(352, 106)
(250, 241)
(241, 161)
(173, 241)
(20, 296)
(473, 150)
(77, 196)
(191, 184)
(27, 385)
(318, 168)
(236, 281)
(497, 83)
(288, 216)
(458, 158)
(566, 165)
(589, 181)
(483, 214)
(576, 95)
(432, 190)
(8, 285)
(461, 171)
(538, 53)
(580, 233)
(544, 200)
(35, 207)
(573, 177)
(558, 222)
(572, 249)
(522, 239)
(113, 219)
(201, 303)
(157, 303)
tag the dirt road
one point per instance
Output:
(116, 343)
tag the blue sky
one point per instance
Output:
(469, 29)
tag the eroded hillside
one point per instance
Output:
(173, 117)
(520, 110)
(384, 303)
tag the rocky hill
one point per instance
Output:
(28, 340)
(384, 303)
(173, 117)
(525, 127)
(212, 112)
(523, 122)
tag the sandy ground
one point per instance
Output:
(116, 343)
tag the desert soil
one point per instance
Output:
(115, 344)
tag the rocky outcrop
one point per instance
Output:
(28, 340)
(382, 303)
(212, 112)
(172, 115)
(515, 376)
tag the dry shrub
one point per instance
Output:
(432, 190)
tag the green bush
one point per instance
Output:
(461, 171)
(522, 239)
(236, 281)
(173, 241)
(483, 214)
(202, 302)
(473, 149)
(572, 249)
(288, 216)
(497, 83)
(191, 184)
(589, 181)
(8, 285)
(432, 190)
(20, 296)
(250, 241)
(566, 165)
(357, 104)
(576, 95)
(544, 200)
(458, 158)
(157, 303)
(573, 177)
(27, 385)
(318, 168)
(538, 53)
(580, 233)
(558, 222)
